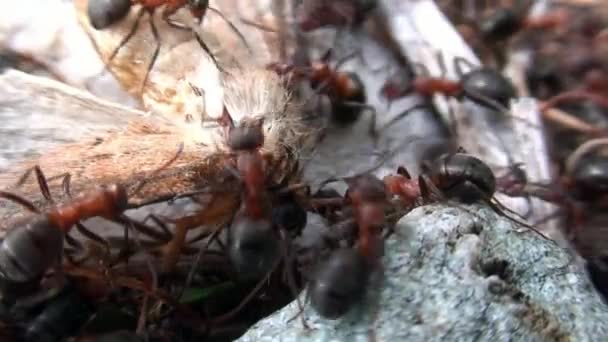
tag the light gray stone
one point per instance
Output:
(443, 281)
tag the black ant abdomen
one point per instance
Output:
(502, 24)
(104, 13)
(338, 283)
(27, 251)
(487, 83)
(62, 317)
(590, 178)
(289, 215)
(464, 177)
(346, 109)
(253, 246)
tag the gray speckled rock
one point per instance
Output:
(461, 275)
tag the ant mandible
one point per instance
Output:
(103, 14)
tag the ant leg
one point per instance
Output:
(168, 163)
(82, 229)
(291, 281)
(497, 206)
(198, 38)
(214, 213)
(401, 116)
(232, 27)
(420, 69)
(147, 230)
(459, 62)
(128, 36)
(230, 314)
(156, 51)
(19, 200)
(65, 184)
(43, 184)
(443, 68)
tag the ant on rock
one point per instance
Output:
(104, 13)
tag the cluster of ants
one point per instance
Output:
(265, 216)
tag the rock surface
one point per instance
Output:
(461, 274)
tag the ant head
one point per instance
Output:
(253, 246)
(103, 13)
(247, 137)
(338, 283)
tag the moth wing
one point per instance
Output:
(39, 113)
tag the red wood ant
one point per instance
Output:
(484, 86)
(344, 89)
(103, 14)
(315, 14)
(342, 279)
(33, 245)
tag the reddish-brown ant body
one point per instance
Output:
(103, 14)
(33, 245)
(341, 281)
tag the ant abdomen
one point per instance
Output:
(253, 246)
(27, 251)
(289, 215)
(591, 177)
(339, 282)
(350, 92)
(62, 317)
(104, 13)
(464, 177)
(502, 24)
(488, 83)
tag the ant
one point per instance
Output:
(341, 281)
(103, 14)
(33, 245)
(495, 29)
(484, 86)
(315, 14)
(345, 90)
